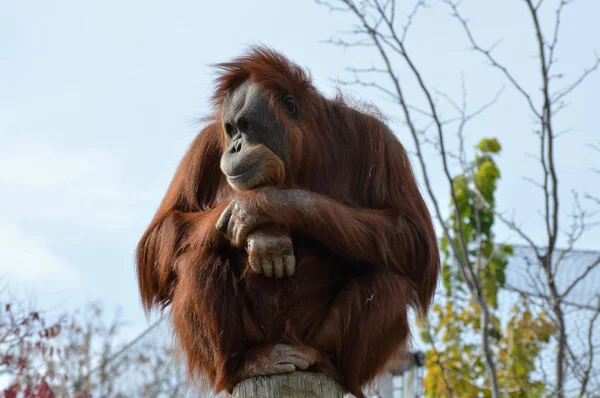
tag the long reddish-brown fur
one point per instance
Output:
(368, 255)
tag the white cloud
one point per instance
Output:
(25, 259)
(44, 167)
(40, 165)
(43, 183)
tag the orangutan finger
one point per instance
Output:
(267, 266)
(223, 221)
(254, 261)
(290, 265)
(278, 267)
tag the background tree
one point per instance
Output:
(82, 355)
(453, 360)
(382, 28)
(27, 342)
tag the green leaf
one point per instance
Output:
(489, 145)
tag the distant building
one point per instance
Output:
(404, 379)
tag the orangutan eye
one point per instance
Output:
(229, 129)
(290, 104)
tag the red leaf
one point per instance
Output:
(44, 391)
(11, 392)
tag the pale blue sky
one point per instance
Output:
(99, 100)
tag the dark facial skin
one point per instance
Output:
(255, 138)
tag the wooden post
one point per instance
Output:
(289, 385)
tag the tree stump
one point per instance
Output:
(289, 385)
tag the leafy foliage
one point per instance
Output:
(80, 355)
(455, 362)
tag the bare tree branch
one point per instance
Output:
(581, 277)
(591, 348)
(584, 75)
(443, 369)
(488, 54)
